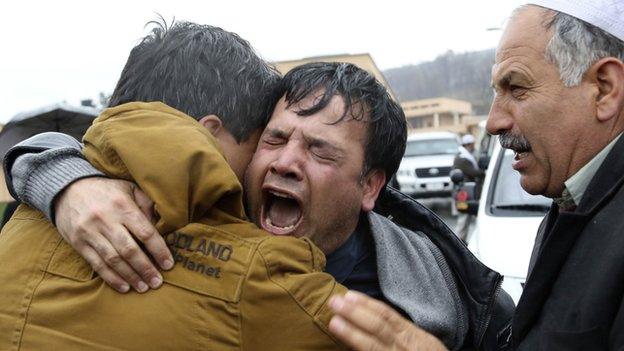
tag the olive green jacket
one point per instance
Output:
(234, 286)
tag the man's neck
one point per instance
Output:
(576, 185)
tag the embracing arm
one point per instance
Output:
(94, 214)
(38, 169)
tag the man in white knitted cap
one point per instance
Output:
(559, 104)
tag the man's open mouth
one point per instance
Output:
(281, 212)
(520, 155)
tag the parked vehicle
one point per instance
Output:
(427, 163)
(507, 222)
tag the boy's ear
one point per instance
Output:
(212, 123)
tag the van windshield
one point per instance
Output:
(431, 147)
(508, 195)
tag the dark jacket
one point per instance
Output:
(471, 173)
(573, 298)
(490, 308)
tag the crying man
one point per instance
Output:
(307, 176)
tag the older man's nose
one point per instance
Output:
(289, 163)
(499, 120)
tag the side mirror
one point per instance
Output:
(457, 176)
(484, 162)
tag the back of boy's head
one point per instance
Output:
(200, 70)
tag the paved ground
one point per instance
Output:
(442, 207)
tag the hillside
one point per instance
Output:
(463, 76)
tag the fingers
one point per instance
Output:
(130, 254)
(144, 231)
(377, 308)
(364, 323)
(145, 204)
(101, 213)
(367, 316)
(354, 337)
(116, 262)
(101, 268)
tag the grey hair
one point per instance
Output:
(576, 45)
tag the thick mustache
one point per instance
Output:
(517, 143)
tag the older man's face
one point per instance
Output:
(305, 177)
(543, 121)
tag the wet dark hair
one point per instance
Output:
(365, 99)
(200, 70)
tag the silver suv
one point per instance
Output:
(427, 163)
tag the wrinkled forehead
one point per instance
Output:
(525, 38)
(526, 28)
(335, 112)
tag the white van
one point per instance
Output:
(507, 222)
(428, 160)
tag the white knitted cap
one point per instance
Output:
(607, 15)
(467, 139)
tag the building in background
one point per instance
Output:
(440, 114)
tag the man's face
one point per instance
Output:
(305, 177)
(538, 117)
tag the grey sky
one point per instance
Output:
(69, 50)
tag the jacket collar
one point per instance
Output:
(606, 182)
(558, 234)
(477, 281)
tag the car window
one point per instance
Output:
(508, 195)
(431, 147)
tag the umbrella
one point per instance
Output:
(60, 117)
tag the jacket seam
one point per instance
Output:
(30, 294)
(240, 301)
(312, 316)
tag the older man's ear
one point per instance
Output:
(608, 76)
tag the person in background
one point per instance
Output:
(466, 162)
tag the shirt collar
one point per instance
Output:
(576, 185)
(343, 260)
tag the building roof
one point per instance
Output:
(432, 135)
(364, 61)
(85, 110)
(414, 108)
